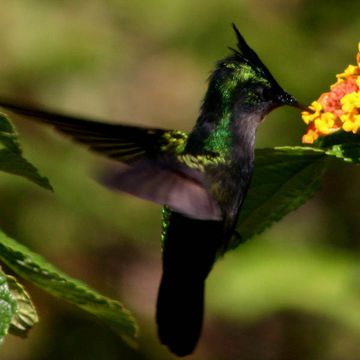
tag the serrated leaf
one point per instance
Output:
(284, 178)
(8, 306)
(38, 271)
(8, 137)
(26, 316)
(11, 159)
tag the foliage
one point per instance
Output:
(11, 159)
(8, 306)
(286, 177)
(16, 307)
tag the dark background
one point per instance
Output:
(291, 293)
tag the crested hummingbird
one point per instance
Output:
(200, 177)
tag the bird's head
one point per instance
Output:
(244, 83)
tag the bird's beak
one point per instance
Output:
(287, 99)
(300, 106)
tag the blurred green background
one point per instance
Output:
(291, 293)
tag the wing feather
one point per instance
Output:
(124, 143)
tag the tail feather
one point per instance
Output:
(190, 248)
(180, 311)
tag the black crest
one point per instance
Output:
(248, 55)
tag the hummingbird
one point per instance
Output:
(201, 178)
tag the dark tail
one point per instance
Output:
(190, 248)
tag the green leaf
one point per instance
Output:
(38, 271)
(349, 152)
(343, 145)
(26, 316)
(8, 306)
(11, 159)
(284, 178)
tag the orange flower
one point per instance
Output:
(337, 109)
(311, 135)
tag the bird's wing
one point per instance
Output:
(179, 181)
(155, 171)
(170, 183)
(124, 143)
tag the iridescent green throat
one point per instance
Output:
(220, 140)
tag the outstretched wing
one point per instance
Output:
(156, 173)
(124, 143)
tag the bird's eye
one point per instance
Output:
(259, 91)
(263, 93)
(266, 92)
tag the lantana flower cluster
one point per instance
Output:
(337, 109)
